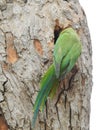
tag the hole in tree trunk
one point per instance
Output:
(57, 30)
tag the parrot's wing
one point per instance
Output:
(74, 54)
(71, 58)
(62, 47)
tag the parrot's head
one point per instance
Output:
(68, 29)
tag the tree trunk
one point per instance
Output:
(26, 45)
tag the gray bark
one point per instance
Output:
(26, 45)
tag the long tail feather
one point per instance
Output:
(44, 82)
(47, 83)
(38, 102)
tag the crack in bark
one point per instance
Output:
(46, 116)
(45, 124)
(65, 100)
(4, 86)
(6, 79)
(70, 117)
(4, 83)
(46, 109)
(3, 92)
(58, 114)
(62, 91)
(5, 89)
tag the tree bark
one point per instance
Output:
(26, 45)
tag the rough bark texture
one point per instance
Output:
(26, 44)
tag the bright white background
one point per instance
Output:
(91, 10)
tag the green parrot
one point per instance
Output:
(66, 52)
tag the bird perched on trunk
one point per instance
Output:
(66, 52)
